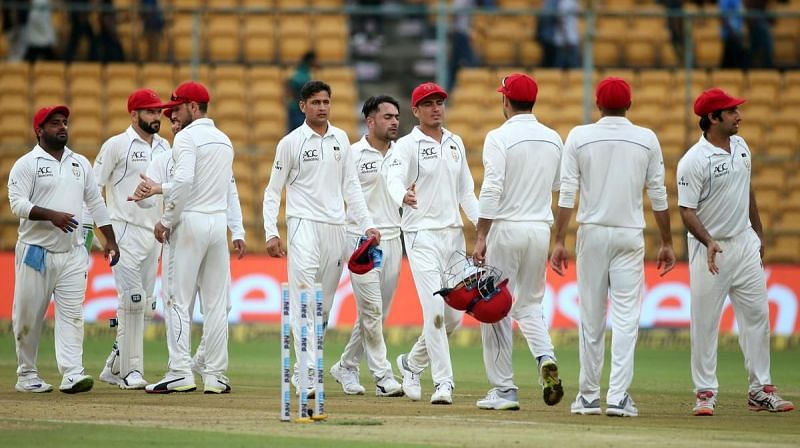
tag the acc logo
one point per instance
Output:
(721, 170)
(45, 171)
(369, 167)
(682, 182)
(429, 153)
(138, 156)
(136, 298)
(310, 155)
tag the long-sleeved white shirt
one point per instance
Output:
(203, 158)
(370, 166)
(442, 177)
(320, 176)
(117, 167)
(161, 170)
(612, 161)
(521, 162)
(38, 179)
(717, 184)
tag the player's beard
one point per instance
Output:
(150, 128)
(55, 141)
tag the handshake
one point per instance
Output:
(146, 188)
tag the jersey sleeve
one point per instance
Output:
(570, 173)
(654, 180)
(690, 182)
(20, 187)
(494, 175)
(185, 154)
(272, 193)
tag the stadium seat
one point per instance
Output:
(225, 29)
(259, 38)
(201, 73)
(732, 81)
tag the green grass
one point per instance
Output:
(249, 416)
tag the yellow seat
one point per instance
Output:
(225, 29)
(331, 50)
(259, 38)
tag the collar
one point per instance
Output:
(419, 136)
(369, 147)
(38, 152)
(613, 120)
(711, 148)
(522, 117)
(308, 132)
(133, 136)
(200, 122)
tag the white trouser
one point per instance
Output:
(373, 292)
(430, 252)
(64, 279)
(135, 278)
(742, 276)
(610, 261)
(315, 255)
(519, 251)
(197, 258)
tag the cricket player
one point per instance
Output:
(196, 256)
(521, 162)
(611, 161)
(315, 164)
(47, 188)
(726, 250)
(428, 177)
(374, 290)
(122, 159)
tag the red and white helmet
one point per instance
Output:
(478, 290)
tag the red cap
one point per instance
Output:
(519, 87)
(168, 113)
(613, 93)
(187, 92)
(44, 114)
(714, 99)
(361, 262)
(143, 99)
(425, 90)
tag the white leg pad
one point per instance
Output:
(131, 316)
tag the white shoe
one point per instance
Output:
(311, 391)
(411, 385)
(500, 400)
(107, 376)
(388, 387)
(443, 394)
(348, 378)
(172, 384)
(705, 404)
(134, 380)
(73, 384)
(213, 384)
(625, 408)
(581, 406)
(34, 385)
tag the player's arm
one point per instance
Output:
(104, 163)
(466, 188)
(97, 207)
(156, 175)
(354, 195)
(494, 174)
(20, 187)
(235, 221)
(402, 191)
(570, 179)
(654, 182)
(284, 158)
(755, 221)
(690, 185)
(185, 154)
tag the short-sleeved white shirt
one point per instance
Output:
(717, 184)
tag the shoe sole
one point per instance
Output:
(597, 411)
(552, 392)
(759, 409)
(34, 391)
(133, 387)
(398, 393)
(214, 390)
(703, 412)
(84, 385)
(505, 407)
(611, 412)
(442, 401)
(191, 388)
(111, 381)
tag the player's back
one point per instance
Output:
(213, 166)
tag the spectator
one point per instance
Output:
(302, 75)
(152, 18)
(14, 17)
(79, 28)
(546, 23)
(109, 47)
(461, 52)
(734, 53)
(39, 32)
(675, 25)
(567, 40)
(758, 25)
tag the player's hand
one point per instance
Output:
(275, 248)
(161, 232)
(666, 259)
(713, 249)
(111, 252)
(241, 248)
(558, 259)
(479, 253)
(374, 232)
(146, 188)
(64, 221)
(410, 198)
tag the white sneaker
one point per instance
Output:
(581, 406)
(443, 394)
(34, 385)
(213, 384)
(388, 387)
(74, 384)
(107, 376)
(705, 404)
(134, 380)
(411, 386)
(172, 384)
(625, 408)
(311, 391)
(500, 400)
(767, 399)
(348, 378)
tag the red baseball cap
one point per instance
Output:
(143, 99)
(361, 262)
(44, 114)
(425, 90)
(715, 99)
(613, 93)
(168, 113)
(519, 87)
(187, 92)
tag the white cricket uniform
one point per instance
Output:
(716, 184)
(121, 160)
(612, 160)
(320, 177)
(521, 162)
(433, 233)
(375, 289)
(38, 179)
(161, 171)
(196, 256)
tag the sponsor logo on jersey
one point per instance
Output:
(136, 298)
(429, 153)
(76, 170)
(721, 169)
(278, 165)
(139, 156)
(682, 182)
(45, 171)
(310, 155)
(369, 167)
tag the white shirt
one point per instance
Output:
(717, 184)
(38, 179)
(612, 160)
(162, 169)
(442, 177)
(370, 166)
(319, 173)
(521, 162)
(117, 167)
(203, 158)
